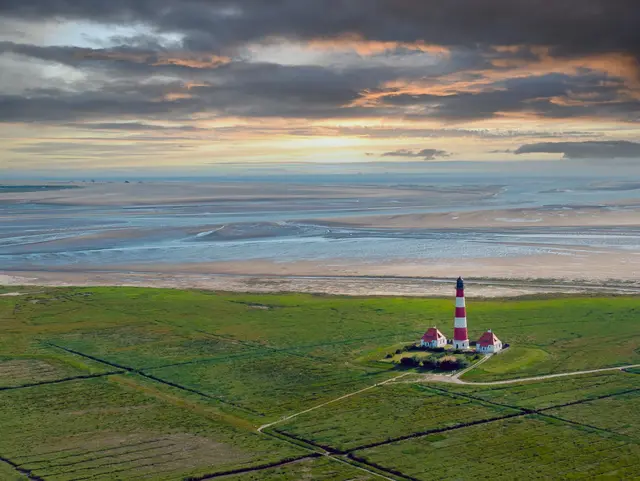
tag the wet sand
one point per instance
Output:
(606, 272)
(167, 193)
(614, 215)
(349, 286)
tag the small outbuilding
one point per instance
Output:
(433, 338)
(489, 343)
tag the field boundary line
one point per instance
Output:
(254, 351)
(58, 381)
(329, 453)
(596, 398)
(355, 393)
(379, 468)
(589, 426)
(442, 391)
(421, 434)
(25, 472)
(534, 410)
(155, 379)
(391, 471)
(324, 448)
(89, 356)
(521, 411)
(261, 467)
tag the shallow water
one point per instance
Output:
(39, 235)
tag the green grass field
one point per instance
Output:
(103, 428)
(618, 414)
(552, 392)
(124, 383)
(521, 448)
(385, 413)
(311, 469)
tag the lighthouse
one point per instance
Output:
(460, 334)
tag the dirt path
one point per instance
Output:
(325, 453)
(291, 416)
(473, 366)
(456, 379)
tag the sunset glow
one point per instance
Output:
(141, 84)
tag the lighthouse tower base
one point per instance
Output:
(461, 344)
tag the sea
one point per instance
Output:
(38, 235)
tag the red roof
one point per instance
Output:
(488, 339)
(433, 334)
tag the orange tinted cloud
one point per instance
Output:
(372, 47)
(205, 61)
(616, 65)
(191, 60)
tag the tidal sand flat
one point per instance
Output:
(399, 225)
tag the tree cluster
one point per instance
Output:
(433, 363)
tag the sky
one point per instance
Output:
(188, 85)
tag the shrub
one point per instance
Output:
(430, 363)
(409, 362)
(449, 363)
(463, 362)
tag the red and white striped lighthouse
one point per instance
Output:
(460, 334)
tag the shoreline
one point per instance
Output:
(357, 286)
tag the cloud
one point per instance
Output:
(568, 27)
(426, 154)
(415, 69)
(585, 150)
(123, 57)
(481, 133)
(552, 95)
(500, 151)
(134, 127)
(83, 149)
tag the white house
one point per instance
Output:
(489, 343)
(433, 338)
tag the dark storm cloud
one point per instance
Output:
(426, 154)
(238, 89)
(585, 150)
(150, 77)
(63, 107)
(270, 90)
(568, 26)
(552, 95)
(123, 59)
